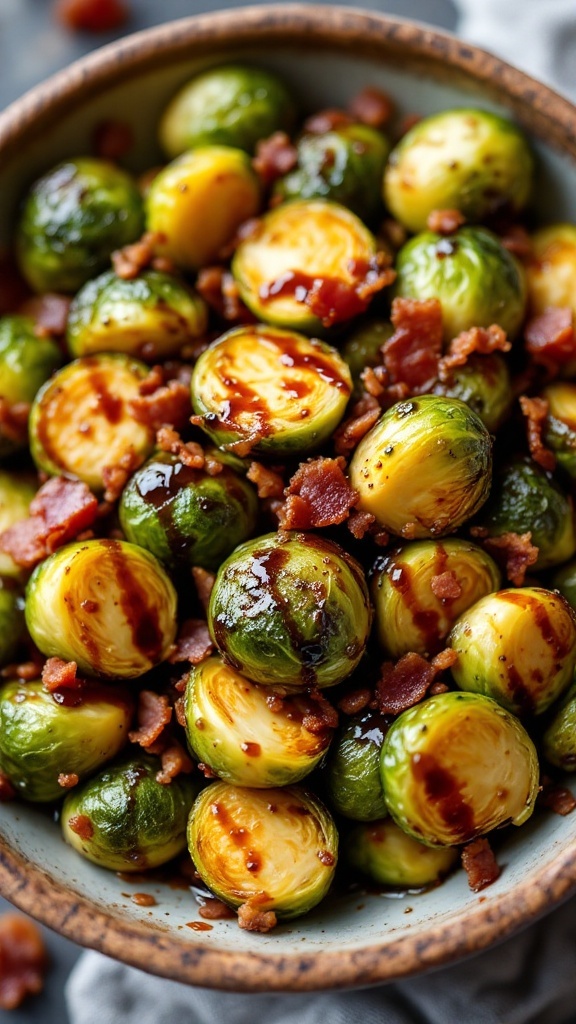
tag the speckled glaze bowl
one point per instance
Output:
(326, 55)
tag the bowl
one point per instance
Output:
(326, 55)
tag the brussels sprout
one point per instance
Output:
(559, 432)
(465, 159)
(279, 390)
(70, 732)
(559, 741)
(199, 200)
(231, 727)
(564, 580)
(151, 316)
(124, 819)
(105, 604)
(353, 782)
(345, 165)
(484, 384)
(26, 361)
(81, 421)
(388, 856)
(276, 847)
(477, 280)
(420, 589)
(363, 346)
(232, 105)
(551, 271)
(424, 468)
(16, 493)
(302, 264)
(291, 610)
(11, 621)
(456, 766)
(517, 646)
(73, 219)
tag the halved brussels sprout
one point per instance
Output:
(152, 316)
(424, 468)
(559, 432)
(465, 159)
(12, 629)
(26, 361)
(233, 105)
(105, 604)
(281, 391)
(456, 766)
(291, 610)
(73, 219)
(199, 200)
(388, 856)
(276, 847)
(16, 493)
(477, 280)
(71, 732)
(124, 819)
(551, 270)
(81, 421)
(420, 589)
(484, 384)
(352, 776)
(362, 347)
(517, 646)
(231, 727)
(559, 741)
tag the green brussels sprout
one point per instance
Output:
(72, 732)
(276, 848)
(551, 270)
(517, 646)
(233, 105)
(424, 468)
(185, 516)
(362, 347)
(456, 766)
(26, 361)
(464, 159)
(477, 280)
(16, 493)
(74, 217)
(421, 588)
(199, 200)
(526, 499)
(484, 384)
(345, 165)
(388, 856)
(123, 819)
(152, 316)
(559, 741)
(559, 433)
(231, 727)
(304, 265)
(105, 604)
(81, 420)
(11, 621)
(291, 610)
(353, 783)
(564, 580)
(278, 390)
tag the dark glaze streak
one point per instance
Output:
(239, 836)
(292, 355)
(142, 618)
(427, 621)
(443, 790)
(109, 405)
(520, 691)
(158, 485)
(541, 619)
(243, 401)
(329, 298)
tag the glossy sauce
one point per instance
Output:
(142, 618)
(331, 299)
(443, 790)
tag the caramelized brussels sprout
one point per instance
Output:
(352, 776)
(559, 740)
(477, 280)
(559, 432)
(124, 819)
(291, 610)
(484, 384)
(424, 468)
(199, 200)
(74, 217)
(81, 421)
(465, 159)
(281, 391)
(420, 589)
(551, 271)
(26, 361)
(388, 856)
(44, 736)
(16, 493)
(456, 766)
(517, 646)
(105, 604)
(275, 847)
(363, 344)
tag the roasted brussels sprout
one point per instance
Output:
(11, 620)
(477, 280)
(559, 433)
(26, 361)
(551, 271)
(124, 819)
(424, 468)
(420, 589)
(388, 856)
(517, 646)
(279, 390)
(484, 384)
(232, 105)
(105, 604)
(456, 766)
(199, 200)
(291, 610)
(73, 219)
(73, 732)
(16, 493)
(362, 347)
(559, 740)
(465, 159)
(275, 847)
(81, 421)
(352, 776)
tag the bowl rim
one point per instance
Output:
(549, 116)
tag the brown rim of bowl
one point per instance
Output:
(548, 116)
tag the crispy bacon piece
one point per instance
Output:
(154, 712)
(14, 421)
(359, 523)
(327, 121)
(60, 675)
(175, 761)
(275, 156)
(355, 702)
(550, 338)
(438, 687)
(252, 919)
(111, 140)
(480, 864)
(371, 106)
(214, 910)
(351, 431)
(444, 659)
(116, 476)
(218, 288)
(81, 825)
(517, 241)
(193, 642)
(180, 703)
(204, 581)
(322, 716)
(23, 960)
(535, 411)
(403, 684)
(393, 233)
(49, 313)
(483, 340)
(7, 790)
(190, 452)
(206, 770)
(168, 405)
(513, 551)
(129, 261)
(318, 495)
(68, 780)
(269, 483)
(413, 352)
(445, 222)
(91, 15)
(58, 513)
(557, 798)
(445, 586)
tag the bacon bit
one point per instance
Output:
(81, 826)
(116, 476)
(218, 288)
(437, 688)
(445, 586)
(408, 531)
(60, 675)
(372, 381)
(206, 770)
(269, 482)
(193, 643)
(444, 660)
(351, 431)
(318, 495)
(26, 671)
(445, 222)
(154, 712)
(23, 960)
(403, 684)
(215, 910)
(557, 798)
(180, 705)
(154, 379)
(413, 352)
(49, 313)
(325, 857)
(483, 340)
(393, 233)
(204, 581)
(68, 780)
(359, 523)
(275, 702)
(13, 288)
(517, 241)
(514, 552)
(372, 107)
(168, 405)
(190, 453)
(129, 261)
(251, 919)
(550, 338)
(355, 701)
(14, 421)
(7, 790)
(175, 761)
(91, 15)
(408, 122)
(327, 121)
(480, 864)
(322, 718)
(111, 140)
(59, 511)
(274, 157)
(535, 411)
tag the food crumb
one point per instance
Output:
(23, 960)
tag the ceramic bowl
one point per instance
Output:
(326, 55)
